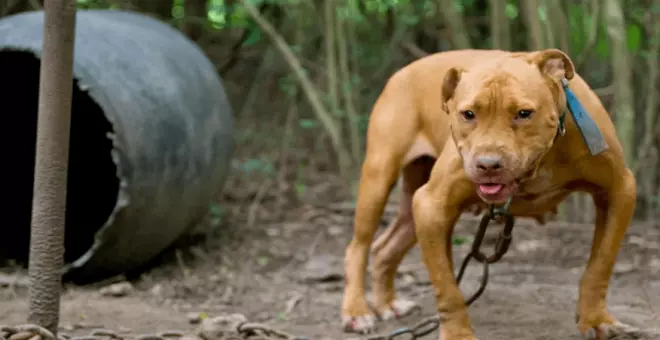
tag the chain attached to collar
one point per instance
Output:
(501, 245)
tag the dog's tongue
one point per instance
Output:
(490, 189)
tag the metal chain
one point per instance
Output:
(244, 331)
(501, 246)
(430, 324)
(422, 328)
(256, 331)
(36, 332)
(25, 332)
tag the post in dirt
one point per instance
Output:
(52, 155)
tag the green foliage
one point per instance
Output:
(289, 85)
(375, 55)
(457, 241)
(579, 24)
(253, 37)
(511, 11)
(410, 13)
(254, 165)
(217, 213)
(603, 43)
(307, 123)
(177, 10)
(218, 14)
(543, 13)
(462, 5)
(634, 38)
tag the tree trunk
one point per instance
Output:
(559, 24)
(624, 109)
(52, 159)
(455, 23)
(330, 56)
(592, 38)
(195, 13)
(348, 90)
(499, 25)
(533, 23)
(252, 94)
(543, 14)
(649, 152)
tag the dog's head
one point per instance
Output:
(505, 117)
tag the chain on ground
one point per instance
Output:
(228, 327)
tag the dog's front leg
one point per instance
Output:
(614, 213)
(435, 218)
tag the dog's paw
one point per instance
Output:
(398, 309)
(363, 324)
(613, 330)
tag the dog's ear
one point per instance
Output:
(452, 77)
(554, 63)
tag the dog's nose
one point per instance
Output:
(489, 162)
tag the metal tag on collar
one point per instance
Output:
(562, 124)
(590, 132)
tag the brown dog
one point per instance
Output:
(502, 112)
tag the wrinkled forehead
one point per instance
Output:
(510, 84)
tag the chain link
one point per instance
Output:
(250, 330)
(501, 247)
(35, 332)
(422, 328)
(244, 331)
(25, 332)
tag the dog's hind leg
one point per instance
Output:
(390, 135)
(375, 183)
(392, 246)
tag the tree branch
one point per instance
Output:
(307, 86)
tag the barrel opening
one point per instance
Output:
(93, 185)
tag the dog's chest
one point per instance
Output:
(540, 193)
(542, 182)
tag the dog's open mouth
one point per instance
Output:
(494, 192)
(490, 188)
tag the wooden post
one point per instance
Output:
(52, 157)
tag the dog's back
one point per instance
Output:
(420, 84)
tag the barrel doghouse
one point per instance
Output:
(150, 147)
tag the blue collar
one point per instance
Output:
(590, 132)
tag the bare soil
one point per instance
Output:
(288, 274)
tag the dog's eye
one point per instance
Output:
(468, 115)
(524, 114)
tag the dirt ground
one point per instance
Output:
(289, 275)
